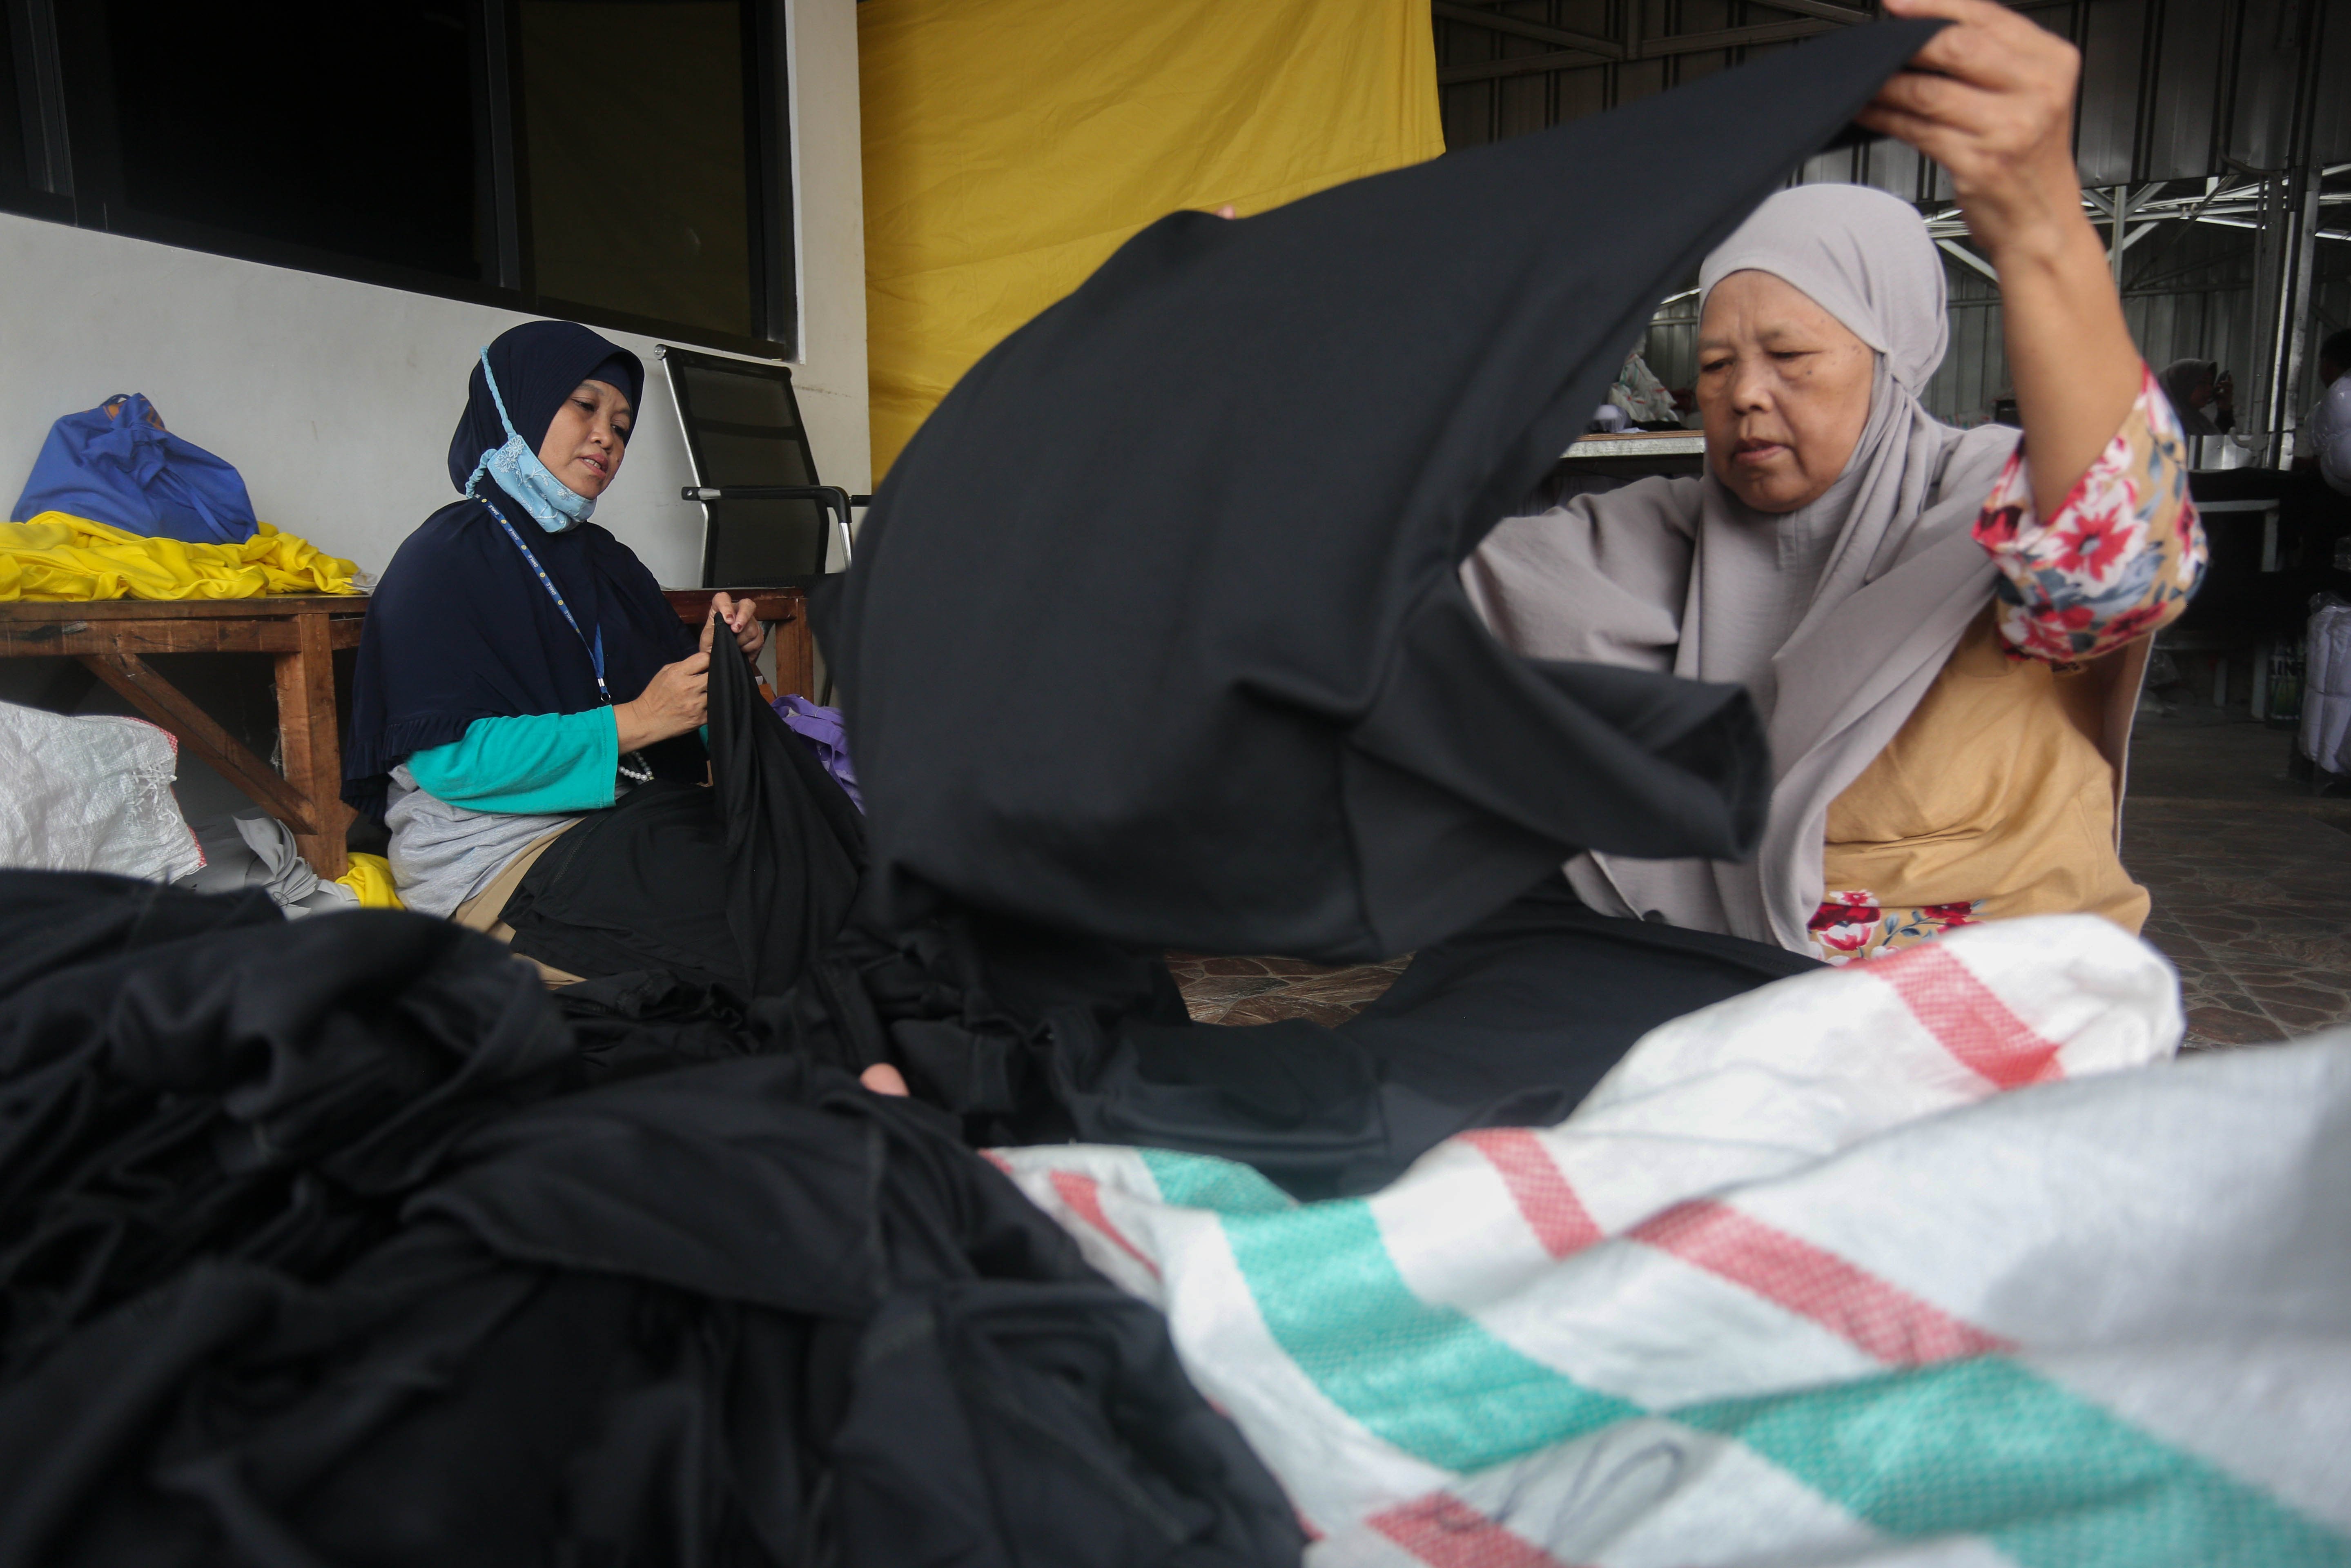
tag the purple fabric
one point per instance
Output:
(822, 728)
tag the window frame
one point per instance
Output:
(72, 173)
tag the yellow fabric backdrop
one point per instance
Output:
(1011, 145)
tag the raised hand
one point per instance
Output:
(1990, 98)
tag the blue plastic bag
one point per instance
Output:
(117, 463)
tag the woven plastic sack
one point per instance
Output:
(92, 794)
(2325, 737)
(1933, 1258)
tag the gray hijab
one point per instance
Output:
(1836, 616)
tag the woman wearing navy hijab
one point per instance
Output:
(520, 666)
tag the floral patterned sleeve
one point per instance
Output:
(2119, 558)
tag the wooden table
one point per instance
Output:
(115, 637)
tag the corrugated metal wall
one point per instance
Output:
(2187, 294)
(2168, 87)
(2172, 89)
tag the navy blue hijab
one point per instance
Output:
(461, 628)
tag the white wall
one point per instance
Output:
(335, 400)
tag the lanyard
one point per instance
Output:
(642, 772)
(596, 648)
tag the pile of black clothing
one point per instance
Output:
(342, 1240)
(330, 1241)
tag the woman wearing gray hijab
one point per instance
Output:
(1945, 643)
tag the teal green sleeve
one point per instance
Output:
(541, 762)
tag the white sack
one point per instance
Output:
(92, 794)
(2325, 737)
(1933, 1258)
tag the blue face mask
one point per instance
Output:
(518, 471)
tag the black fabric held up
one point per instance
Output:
(319, 1245)
(1221, 491)
(738, 887)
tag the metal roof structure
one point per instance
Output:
(2213, 139)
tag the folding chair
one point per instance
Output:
(752, 472)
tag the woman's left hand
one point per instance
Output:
(1990, 98)
(742, 619)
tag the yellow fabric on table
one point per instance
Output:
(1011, 145)
(59, 556)
(370, 878)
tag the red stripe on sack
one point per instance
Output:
(1445, 1532)
(1083, 1195)
(998, 1161)
(1535, 1183)
(1964, 1015)
(1881, 1318)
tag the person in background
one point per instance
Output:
(2328, 431)
(2195, 385)
(2315, 518)
(2334, 359)
(520, 670)
(2334, 356)
(1945, 642)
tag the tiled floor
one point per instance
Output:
(2253, 905)
(2251, 876)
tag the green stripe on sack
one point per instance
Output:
(1202, 1181)
(1980, 1448)
(1437, 1386)
(1986, 1448)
